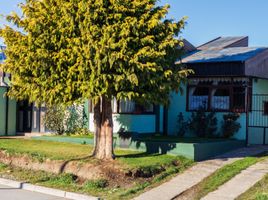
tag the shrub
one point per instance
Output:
(70, 120)
(100, 183)
(125, 135)
(230, 125)
(54, 119)
(203, 124)
(183, 125)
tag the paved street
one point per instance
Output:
(8, 193)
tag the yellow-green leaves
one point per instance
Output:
(77, 49)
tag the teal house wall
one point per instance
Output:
(178, 104)
(11, 118)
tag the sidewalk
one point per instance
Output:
(240, 183)
(10, 193)
(197, 173)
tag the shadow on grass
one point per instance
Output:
(137, 155)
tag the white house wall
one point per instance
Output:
(132, 123)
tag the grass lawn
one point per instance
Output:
(259, 191)
(161, 167)
(221, 176)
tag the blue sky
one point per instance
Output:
(208, 18)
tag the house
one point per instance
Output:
(229, 77)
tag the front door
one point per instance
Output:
(24, 117)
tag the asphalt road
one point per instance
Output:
(8, 193)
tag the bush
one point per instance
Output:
(203, 124)
(183, 125)
(230, 125)
(69, 120)
(100, 183)
(54, 119)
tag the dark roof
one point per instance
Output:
(188, 47)
(224, 42)
(234, 54)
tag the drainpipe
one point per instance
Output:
(7, 113)
(7, 104)
(165, 119)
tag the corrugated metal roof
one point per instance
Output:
(223, 55)
(221, 42)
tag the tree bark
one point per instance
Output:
(103, 129)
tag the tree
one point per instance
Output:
(68, 51)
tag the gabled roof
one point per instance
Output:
(233, 54)
(225, 42)
(188, 47)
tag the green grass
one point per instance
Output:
(223, 175)
(100, 187)
(258, 192)
(159, 167)
(52, 150)
(89, 136)
(45, 149)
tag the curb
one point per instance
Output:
(46, 190)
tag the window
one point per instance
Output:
(198, 98)
(127, 107)
(217, 96)
(220, 99)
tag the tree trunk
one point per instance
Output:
(103, 129)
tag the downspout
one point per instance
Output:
(7, 114)
(7, 104)
(165, 119)
(247, 113)
(157, 118)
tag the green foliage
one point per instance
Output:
(54, 119)
(67, 51)
(183, 125)
(62, 180)
(203, 124)
(230, 125)
(68, 120)
(258, 192)
(96, 184)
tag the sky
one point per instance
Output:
(207, 19)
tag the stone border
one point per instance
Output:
(46, 190)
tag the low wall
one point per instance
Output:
(195, 151)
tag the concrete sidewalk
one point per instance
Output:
(197, 173)
(240, 183)
(10, 193)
